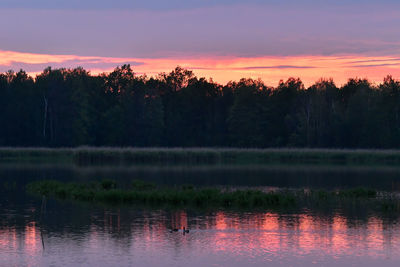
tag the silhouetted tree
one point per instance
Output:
(71, 107)
(249, 117)
(285, 105)
(318, 114)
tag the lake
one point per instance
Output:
(66, 233)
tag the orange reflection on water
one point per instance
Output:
(220, 242)
(375, 234)
(337, 239)
(304, 233)
(259, 234)
(32, 239)
(179, 219)
(220, 223)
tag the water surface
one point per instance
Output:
(65, 233)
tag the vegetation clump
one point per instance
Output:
(141, 192)
(108, 184)
(358, 193)
(140, 185)
(147, 193)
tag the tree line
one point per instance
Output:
(71, 107)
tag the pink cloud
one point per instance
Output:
(221, 69)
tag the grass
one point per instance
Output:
(89, 155)
(233, 156)
(140, 192)
(8, 154)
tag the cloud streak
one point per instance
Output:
(376, 65)
(253, 67)
(31, 62)
(222, 69)
(277, 67)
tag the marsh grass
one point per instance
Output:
(148, 193)
(141, 192)
(9, 154)
(111, 156)
(234, 156)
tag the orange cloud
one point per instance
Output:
(222, 69)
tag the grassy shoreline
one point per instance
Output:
(104, 155)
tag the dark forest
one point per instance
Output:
(71, 107)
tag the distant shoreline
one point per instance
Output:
(109, 155)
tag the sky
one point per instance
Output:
(222, 39)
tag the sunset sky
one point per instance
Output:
(225, 40)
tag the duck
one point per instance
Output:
(185, 231)
(173, 230)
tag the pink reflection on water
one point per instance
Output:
(249, 236)
(8, 238)
(179, 219)
(32, 239)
